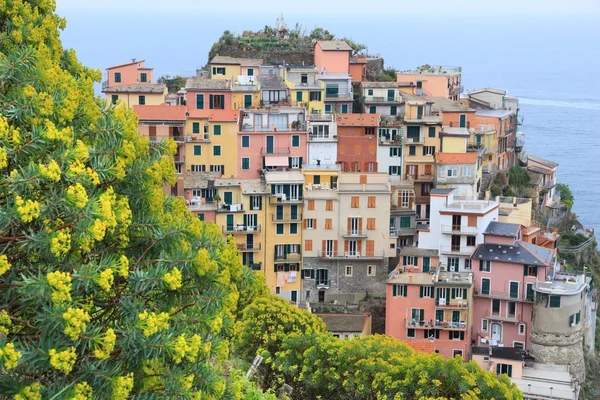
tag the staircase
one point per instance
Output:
(486, 182)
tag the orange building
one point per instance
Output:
(434, 80)
(357, 142)
(332, 56)
(358, 69)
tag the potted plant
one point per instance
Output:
(216, 199)
(296, 125)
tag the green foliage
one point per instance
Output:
(518, 177)
(384, 78)
(566, 196)
(573, 239)
(108, 288)
(174, 83)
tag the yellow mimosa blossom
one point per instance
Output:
(194, 348)
(83, 391)
(151, 323)
(173, 279)
(106, 345)
(60, 282)
(63, 360)
(46, 103)
(179, 348)
(3, 158)
(98, 230)
(31, 392)
(51, 171)
(105, 279)
(187, 382)
(4, 264)
(9, 356)
(27, 210)
(80, 151)
(4, 128)
(123, 268)
(29, 90)
(121, 387)
(60, 243)
(77, 195)
(5, 322)
(75, 321)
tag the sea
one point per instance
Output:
(551, 63)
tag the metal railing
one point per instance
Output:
(380, 99)
(283, 199)
(198, 137)
(179, 158)
(248, 246)
(502, 294)
(461, 250)
(412, 140)
(287, 257)
(447, 325)
(241, 229)
(231, 208)
(329, 138)
(274, 150)
(354, 233)
(499, 317)
(350, 254)
(459, 229)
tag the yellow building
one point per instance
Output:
(283, 233)
(485, 136)
(241, 212)
(223, 67)
(305, 89)
(149, 94)
(211, 141)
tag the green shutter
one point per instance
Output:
(453, 293)
(295, 140)
(143, 77)
(142, 100)
(216, 150)
(247, 100)
(299, 95)
(245, 141)
(200, 102)
(197, 150)
(420, 291)
(464, 293)
(485, 286)
(426, 264)
(498, 369)
(393, 110)
(405, 287)
(245, 163)
(217, 129)
(260, 203)
(195, 127)
(211, 101)
(481, 265)
(463, 121)
(115, 98)
(344, 108)
(394, 290)
(432, 131)
(509, 370)
(227, 197)
(312, 274)
(117, 77)
(372, 110)
(250, 71)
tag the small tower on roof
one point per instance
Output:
(282, 29)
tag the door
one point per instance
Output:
(463, 121)
(227, 198)
(456, 222)
(152, 132)
(419, 112)
(455, 243)
(270, 144)
(439, 316)
(293, 212)
(455, 316)
(279, 213)
(354, 226)
(390, 95)
(247, 100)
(496, 332)
(229, 222)
(327, 108)
(249, 242)
(496, 307)
(352, 248)
(294, 296)
(321, 296)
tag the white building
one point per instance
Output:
(456, 228)
(389, 149)
(322, 139)
(338, 92)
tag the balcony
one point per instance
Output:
(457, 90)
(273, 128)
(391, 141)
(104, 84)
(424, 119)
(286, 217)
(321, 117)
(322, 139)
(415, 140)
(246, 247)
(274, 150)
(503, 295)
(457, 250)
(382, 100)
(396, 232)
(354, 233)
(162, 138)
(198, 138)
(255, 266)
(230, 208)
(282, 198)
(179, 158)
(340, 255)
(290, 257)
(241, 229)
(515, 318)
(483, 129)
(444, 325)
(457, 305)
(459, 230)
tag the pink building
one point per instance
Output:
(333, 56)
(208, 94)
(270, 140)
(130, 73)
(505, 270)
(434, 81)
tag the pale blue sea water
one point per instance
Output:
(552, 64)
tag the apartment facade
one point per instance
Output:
(434, 81)
(383, 98)
(357, 142)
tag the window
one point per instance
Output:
(143, 77)
(218, 70)
(554, 302)
(196, 127)
(466, 171)
(370, 92)
(245, 163)
(504, 368)
(205, 128)
(117, 77)
(295, 140)
(456, 335)
(245, 141)
(309, 223)
(521, 329)
(298, 96)
(280, 229)
(426, 291)
(308, 274)
(293, 229)
(514, 290)
(409, 260)
(451, 172)
(327, 108)
(295, 162)
(315, 96)
(529, 291)
(344, 108)
(412, 150)
(178, 168)
(410, 333)
(371, 270)
(453, 263)
(216, 102)
(575, 319)
(519, 345)
(354, 202)
(394, 170)
(348, 270)
(200, 101)
(530, 270)
(395, 152)
(468, 263)
(216, 130)
(329, 205)
(201, 217)
(114, 98)
(426, 264)
(371, 201)
(197, 150)
(142, 100)
(457, 353)
(371, 166)
(399, 290)
(432, 131)
(428, 150)
(277, 290)
(255, 202)
(393, 110)
(471, 240)
(332, 91)
(216, 150)
(328, 223)
(198, 168)
(485, 265)
(484, 325)
(485, 286)
(372, 110)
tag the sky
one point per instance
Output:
(348, 7)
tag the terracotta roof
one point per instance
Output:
(344, 322)
(334, 45)
(456, 158)
(164, 112)
(422, 345)
(137, 88)
(129, 63)
(543, 162)
(358, 120)
(446, 105)
(216, 115)
(369, 85)
(226, 60)
(207, 84)
(358, 60)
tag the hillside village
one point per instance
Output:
(342, 190)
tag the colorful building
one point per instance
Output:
(382, 98)
(543, 177)
(357, 142)
(390, 146)
(434, 81)
(460, 171)
(347, 326)
(231, 68)
(305, 89)
(358, 69)
(332, 56)
(322, 139)
(131, 84)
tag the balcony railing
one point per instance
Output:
(458, 304)
(339, 255)
(273, 128)
(457, 89)
(198, 138)
(504, 295)
(287, 217)
(275, 150)
(255, 266)
(179, 158)
(430, 324)
(231, 208)
(396, 140)
(281, 198)
(328, 138)
(395, 232)
(241, 229)
(382, 100)
(321, 117)
(354, 233)
(290, 257)
(248, 246)
(104, 84)
(162, 138)
(482, 129)
(505, 318)
(458, 250)
(414, 140)
(459, 230)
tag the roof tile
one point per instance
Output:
(456, 158)
(164, 112)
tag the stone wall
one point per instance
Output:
(291, 57)
(375, 66)
(561, 350)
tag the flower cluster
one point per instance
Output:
(105, 279)
(3, 157)
(105, 208)
(60, 243)
(80, 150)
(122, 270)
(5, 322)
(105, 345)
(151, 323)
(29, 90)
(60, 282)
(77, 168)
(77, 195)
(10, 356)
(27, 210)
(46, 103)
(53, 133)
(31, 392)
(121, 387)
(75, 322)
(83, 391)
(51, 171)
(98, 230)
(179, 348)
(173, 279)
(63, 360)
(4, 264)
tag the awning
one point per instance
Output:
(276, 161)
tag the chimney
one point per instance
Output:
(227, 83)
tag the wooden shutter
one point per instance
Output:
(363, 179)
(329, 205)
(349, 224)
(335, 247)
(359, 246)
(370, 248)
(314, 223)
(324, 246)
(345, 246)
(311, 204)
(308, 245)
(328, 223)
(360, 224)
(472, 220)
(428, 170)
(305, 224)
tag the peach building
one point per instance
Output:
(131, 84)
(332, 56)
(357, 142)
(436, 81)
(358, 69)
